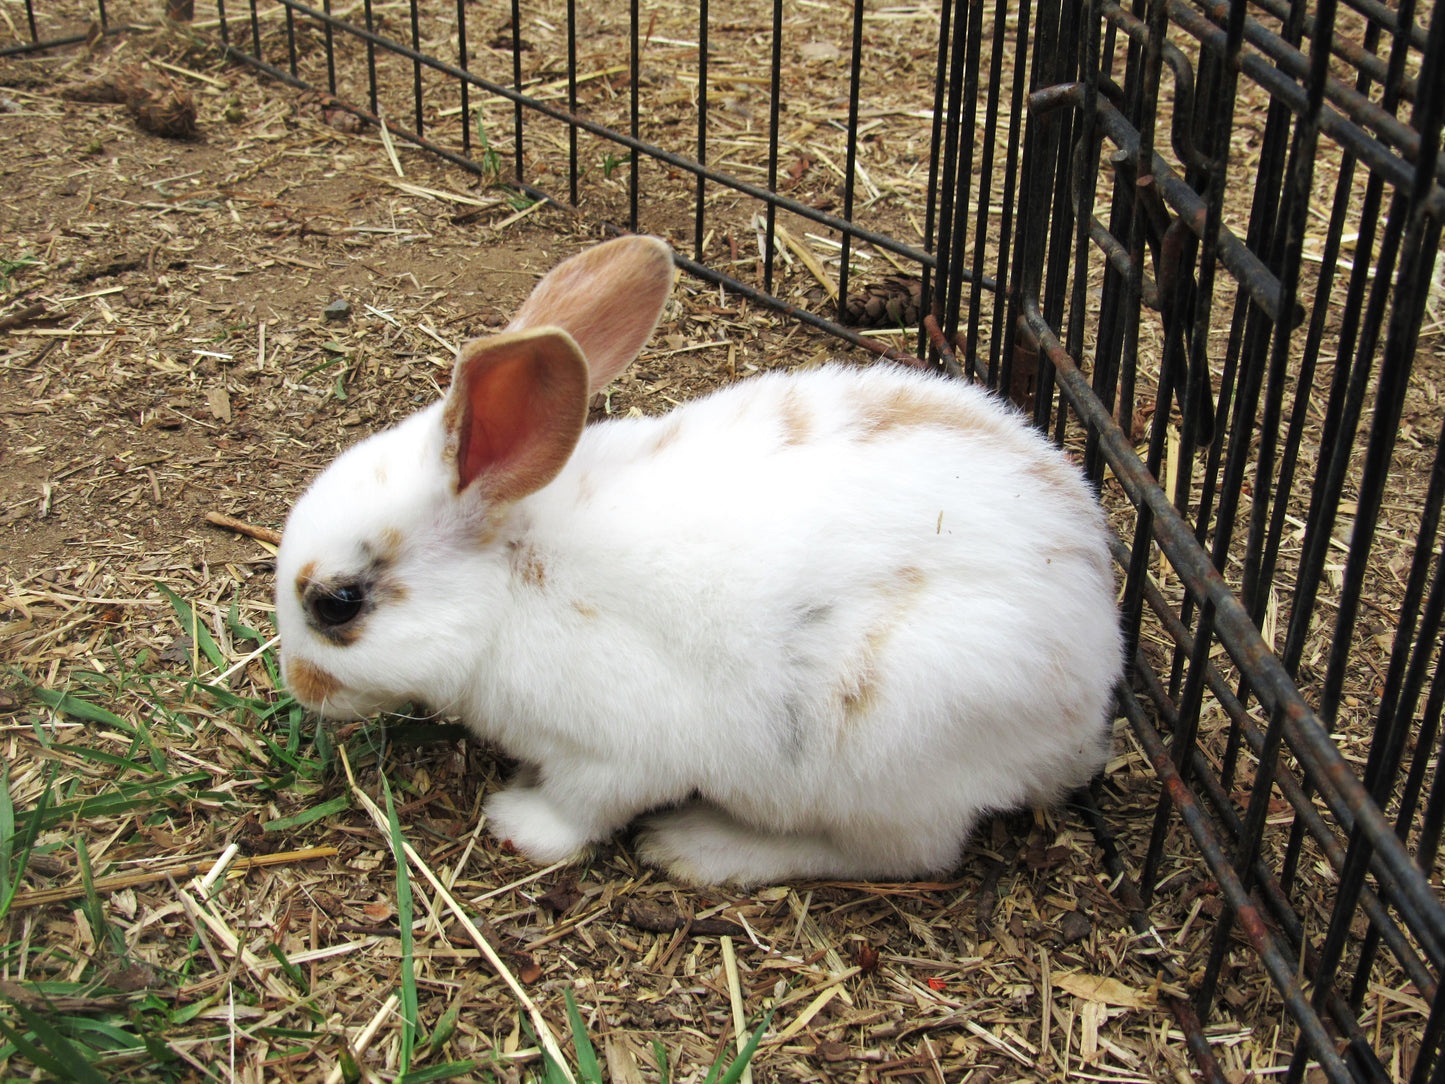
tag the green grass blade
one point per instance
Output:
(71, 1059)
(404, 917)
(587, 1065)
(735, 1067)
(191, 622)
(294, 973)
(444, 1030)
(19, 857)
(94, 909)
(7, 823)
(315, 813)
(660, 1052)
(438, 1072)
(84, 710)
(123, 797)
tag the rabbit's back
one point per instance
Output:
(857, 581)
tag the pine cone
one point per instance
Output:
(157, 103)
(893, 302)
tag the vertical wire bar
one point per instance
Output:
(1304, 382)
(330, 34)
(1005, 312)
(1112, 380)
(634, 160)
(225, 26)
(850, 168)
(30, 19)
(972, 52)
(291, 38)
(931, 283)
(572, 163)
(775, 89)
(699, 217)
(1430, 1047)
(1432, 824)
(1309, 358)
(517, 86)
(1410, 661)
(965, 62)
(1422, 239)
(1085, 169)
(416, 66)
(1325, 497)
(985, 190)
(1296, 214)
(256, 33)
(370, 55)
(948, 178)
(104, 20)
(463, 59)
(1052, 36)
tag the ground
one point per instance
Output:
(184, 364)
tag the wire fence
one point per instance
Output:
(1200, 242)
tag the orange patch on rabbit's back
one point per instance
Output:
(909, 407)
(797, 422)
(858, 686)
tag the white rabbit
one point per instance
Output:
(815, 624)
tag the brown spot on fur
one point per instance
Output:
(589, 612)
(797, 422)
(910, 407)
(389, 549)
(306, 575)
(1059, 476)
(380, 474)
(312, 685)
(527, 565)
(586, 487)
(858, 688)
(669, 434)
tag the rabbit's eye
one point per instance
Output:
(339, 605)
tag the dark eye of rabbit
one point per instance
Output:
(338, 606)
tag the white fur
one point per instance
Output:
(823, 657)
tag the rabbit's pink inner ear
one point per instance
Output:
(517, 405)
(608, 298)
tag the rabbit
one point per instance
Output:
(813, 625)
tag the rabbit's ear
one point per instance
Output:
(609, 298)
(515, 409)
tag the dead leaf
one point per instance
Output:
(1099, 990)
(219, 400)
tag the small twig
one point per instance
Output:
(117, 881)
(240, 526)
(387, 143)
(29, 314)
(810, 261)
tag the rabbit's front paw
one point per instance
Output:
(533, 824)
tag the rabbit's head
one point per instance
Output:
(389, 564)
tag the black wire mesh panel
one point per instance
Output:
(732, 184)
(1227, 248)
